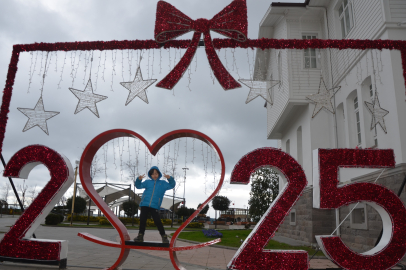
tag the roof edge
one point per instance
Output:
(278, 4)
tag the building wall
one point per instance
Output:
(280, 92)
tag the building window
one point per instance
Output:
(310, 58)
(346, 19)
(358, 217)
(293, 217)
(358, 121)
(288, 146)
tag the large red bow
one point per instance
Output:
(171, 23)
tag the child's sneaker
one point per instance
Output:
(139, 238)
(165, 239)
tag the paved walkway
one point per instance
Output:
(85, 255)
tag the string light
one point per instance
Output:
(42, 58)
(30, 73)
(113, 71)
(97, 73)
(63, 67)
(77, 67)
(104, 66)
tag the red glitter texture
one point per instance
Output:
(251, 254)
(332, 197)
(12, 245)
(171, 23)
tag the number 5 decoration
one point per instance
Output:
(17, 244)
(252, 254)
(326, 195)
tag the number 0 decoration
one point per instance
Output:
(17, 243)
(85, 163)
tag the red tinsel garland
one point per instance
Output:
(184, 44)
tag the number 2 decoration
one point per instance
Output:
(251, 255)
(17, 243)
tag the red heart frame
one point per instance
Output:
(85, 164)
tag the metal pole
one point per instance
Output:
(184, 187)
(135, 209)
(173, 206)
(74, 192)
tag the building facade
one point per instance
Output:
(361, 74)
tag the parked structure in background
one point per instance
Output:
(363, 76)
(235, 215)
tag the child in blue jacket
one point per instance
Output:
(152, 199)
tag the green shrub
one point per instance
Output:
(195, 225)
(104, 221)
(53, 219)
(150, 223)
(166, 221)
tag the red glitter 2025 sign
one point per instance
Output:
(251, 255)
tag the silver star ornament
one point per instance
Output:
(87, 99)
(37, 116)
(377, 113)
(137, 87)
(323, 98)
(259, 88)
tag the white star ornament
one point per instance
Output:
(323, 98)
(377, 113)
(37, 116)
(259, 88)
(137, 87)
(87, 99)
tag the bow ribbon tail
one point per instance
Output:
(223, 76)
(174, 76)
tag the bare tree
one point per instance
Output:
(6, 191)
(172, 164)
(132, 169)
(32, 193)
(23, 190)
(95, 168)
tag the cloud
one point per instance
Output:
(196, 104)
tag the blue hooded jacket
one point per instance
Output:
(154, 189)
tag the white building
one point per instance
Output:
(359, 73)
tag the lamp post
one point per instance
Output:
(184, 187)
(74, 191)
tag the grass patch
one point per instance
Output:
(230, 239)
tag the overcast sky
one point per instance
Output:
(195, 103)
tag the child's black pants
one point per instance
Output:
(155, 216)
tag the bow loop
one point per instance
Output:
(232, 21)
(171, 23)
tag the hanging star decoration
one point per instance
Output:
(323, 98)
(137, 87)
(377, 113)
(37, 116)
(87, 99)
(259, 88)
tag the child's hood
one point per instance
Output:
(159, 172)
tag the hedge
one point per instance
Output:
(195, 225)
(53, 219)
